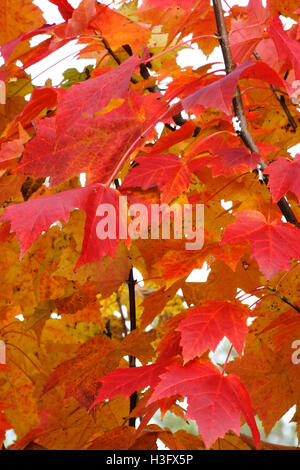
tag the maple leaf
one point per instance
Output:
(169, 345)
(76, 23)
(153, 304)
(10, 150)
(94, 140)
(64, 7)
(219, 94)
(260, 368)
(286, 46)
(182, 440)
(246, 34)
(284, 176)
(80, 19)
(273, 243)
(167, 171)
(126, 381)
(15, 49)
(80, 373)
(40, 99)
(117, 439)
(98, 137)
(215, 401)
(118, 29)
(227, 160)
(205, 326)
(43, 212)
(10, 24)
(176, 136)
(284, 329)
(99, 127)
(44, 421)
(5, 425)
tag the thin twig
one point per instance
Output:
(178, 119)
(143, 71)
(280, 98)
(122, 313)
(226, 360)
(284, 299)
(115, 57)
(291, 304)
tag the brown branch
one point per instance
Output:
(291, 304)
(122, 313)
(238, 106)
(132, 316)
(281, 100)
(143, 71)
(115, 57)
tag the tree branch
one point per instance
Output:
(132, 316)
(122, 313)
(244, 133)
(115, 57)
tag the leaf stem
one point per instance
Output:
(227, 358)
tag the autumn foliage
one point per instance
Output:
(89, 350)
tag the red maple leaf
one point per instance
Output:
(126, 381)
(167, 171)
(40, 99)
(205, 326)
(226, 161)
(284, 175)
(215, 401)
(81, 138)
(286, 46)
(273, 243)
(65, 9)
(246, 34)
(219, 94)
(29, 219)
